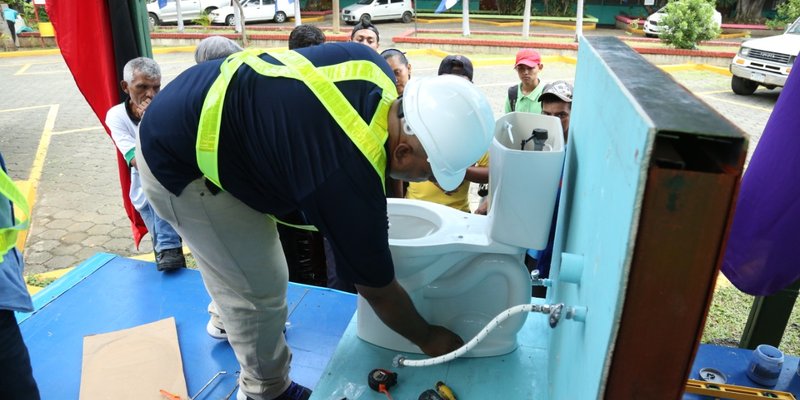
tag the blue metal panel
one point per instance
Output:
(105, 295)
(607, 155)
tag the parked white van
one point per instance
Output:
(765, 61)
(255, 11)
(378, 10)
(190, 10)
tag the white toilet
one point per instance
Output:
(462, 269)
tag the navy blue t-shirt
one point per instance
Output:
(280, 150)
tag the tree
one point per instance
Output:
(726, 7)
(749, 10)
(786, 13)
(687, 22)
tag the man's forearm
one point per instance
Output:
(393, 306)
(477, 174)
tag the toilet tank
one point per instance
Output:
(524, 181)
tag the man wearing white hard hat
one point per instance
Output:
(318, 130)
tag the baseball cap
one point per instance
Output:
(529, 57)
(561, 90)
(456, 62)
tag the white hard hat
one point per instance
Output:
(452, 120)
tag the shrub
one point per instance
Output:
(785, 14)
(687, 22)
(510, 7)
(203, 20)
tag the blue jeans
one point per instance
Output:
(164, 236)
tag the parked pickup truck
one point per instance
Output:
(766, 61)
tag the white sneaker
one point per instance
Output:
(215, 332)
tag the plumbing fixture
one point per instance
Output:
(507, 125)
(553, 311)
(537, 281)
(571, 268)
(539, 138)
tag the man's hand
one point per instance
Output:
(440, 341)
(139, 109)
(393, 306)
(133, 163)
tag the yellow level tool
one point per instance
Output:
(724, 391)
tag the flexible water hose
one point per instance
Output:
(401, 361)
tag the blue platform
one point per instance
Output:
(108, 293)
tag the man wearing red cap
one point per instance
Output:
(525, 96)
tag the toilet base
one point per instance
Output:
(464, 300)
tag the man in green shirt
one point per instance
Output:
(524, 97)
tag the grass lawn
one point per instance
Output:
(728, 316)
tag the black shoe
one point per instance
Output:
(295, 392)
(170, 259)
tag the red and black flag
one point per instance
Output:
(96, 39)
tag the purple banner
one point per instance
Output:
(761, 257)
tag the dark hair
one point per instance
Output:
(305, 36)
(392, 53)
(365, 25)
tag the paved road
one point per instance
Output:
(52, 140)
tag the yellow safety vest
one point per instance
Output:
(368, 138)
(8, 236)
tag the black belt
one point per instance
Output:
(213, 188)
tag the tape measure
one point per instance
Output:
(380, 380)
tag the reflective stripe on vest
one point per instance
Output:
(369, 139)
(8, 235)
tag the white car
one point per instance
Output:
(255, 10)
(377, 10)
(190, 10)
(765, 61)
(652, 27)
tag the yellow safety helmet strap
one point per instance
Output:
(8, 235)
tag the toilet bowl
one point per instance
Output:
(460, 269)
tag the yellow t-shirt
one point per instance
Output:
(458, 199)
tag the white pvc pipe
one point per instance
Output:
(579, 21)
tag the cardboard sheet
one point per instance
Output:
(133, 363)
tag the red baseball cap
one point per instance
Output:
(529, 57)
